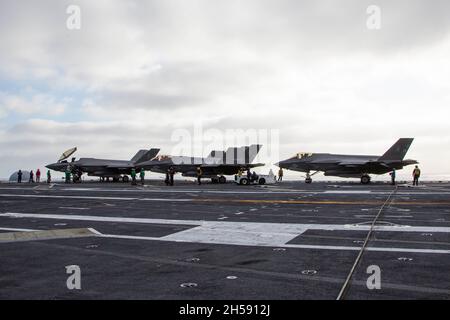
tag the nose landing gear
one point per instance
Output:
(365, 179)
(308, 176)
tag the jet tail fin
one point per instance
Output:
(252, 152)
(145, 156)
(242, 155)
(398, 150)
(235, 155)
(214, 156)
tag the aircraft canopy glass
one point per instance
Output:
(67, 153)
(162, 157)
(302, 155)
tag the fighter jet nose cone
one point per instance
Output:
(51, 166)
(281, 164)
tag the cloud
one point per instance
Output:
(37, 103)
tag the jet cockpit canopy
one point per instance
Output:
(66, 154)
(162, 157)
(302, 155)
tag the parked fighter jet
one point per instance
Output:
(350, 166)
(103, 168)
(215, 166)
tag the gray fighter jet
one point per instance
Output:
(103, 168)
(216, 166)
(350, 166)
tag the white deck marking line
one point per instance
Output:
(377, 249)
(373, 216)
(74, 208)
(295, 246)
(65, 197)
(283, 227)
(166, 199)
(209, 200)
(101, 218)
(94, 231)
(243, 233)
(348, 191)
(94, 198)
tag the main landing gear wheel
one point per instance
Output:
(222, 179)
(308, 180)
(365, 179)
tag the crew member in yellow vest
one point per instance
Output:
(416, 176)
(280, 174)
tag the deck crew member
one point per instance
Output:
(171, 174)
(392, 174)
(280, 174)
(133, 176)
(167, 180)
(199, 175)
(19, 176)
(416, 176)
(142, 175)
(67, 175)
(254, 176)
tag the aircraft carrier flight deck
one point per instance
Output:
(285, 241)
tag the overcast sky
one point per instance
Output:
(136, 71)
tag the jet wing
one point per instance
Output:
(248, 165)
(117, 166)
(354, 163)
(319, 161)
(362, 163)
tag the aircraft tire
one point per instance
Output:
(365, 179)
(308, 180)
(125, 179)
(262, 181)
